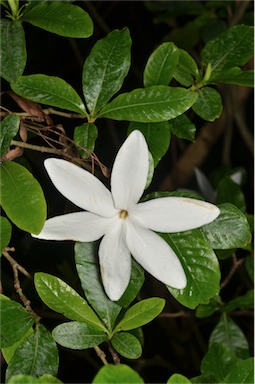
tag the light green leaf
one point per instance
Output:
(27, 379)
(105, 69)
(5, 232)
(186, 71)
(85, 136)
(230, 192)
(157, 136)
(176, 378)
(201, 267)
(9, 129)
(243, 373)
(61, 18)
(230, 230)
(161, 65)
(13, 54)
(148, 105)
(141, 313)
(36, 356)
(49, 90)
(126, 345)
(116, 374)
(22, 197)
(235, 76)
(76, 335)
(208, 104)
(243, 301)
(182, 127)
(60, 297)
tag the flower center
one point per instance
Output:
(123, 214)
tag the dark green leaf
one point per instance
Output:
(182, 127)
(235, 76)
(22, 197)
(157, 136)
(230, 192)
(187, 70)
(9, 129)
(8, 352)
(126, 345)
(13, 50)
(49, 90)
(148, 105)
(5, 232)
(204, 379)
(206, 310)
(85, 136)
(76, 335)
(161, 65)
(244, 301)
(116, 374)
(230, 230)
(105, 69)
(249, 266)
(27, 379)
(176, 378)
(208, 104)
(61, 18)
(243, 373)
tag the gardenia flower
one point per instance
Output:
(125, 225)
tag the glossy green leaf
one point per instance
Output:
(126, 345)
(22, 197)
(243, 373)
(161, 65)
(105, 68)
(230, 334)
(208, 104)
(186, 71)
(232, 48)
(176, 378)
(116, 374)
(76, 335)
(61, 18)
(230, 230)
(183, 127)
(230, 192)
(243, 301)
(15, 321)
(157, 136)
(206, 310)
(49, 90)
(5, 232)
(27, 379)
(201, 267)
(13, 54)
(85, 136)
(60, 297)
(204, 379)
(37, 356)
(218, 361)
(148, 105)
(9, 129)
(141, 313)
(86, 260)
(234, 76)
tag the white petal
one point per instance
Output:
(77, 226)
(130, 171)
(174, 214)
(115, 263)
(155, 256)
(80, 187)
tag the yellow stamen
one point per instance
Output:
(123, 214)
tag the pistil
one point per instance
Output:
(123, 214)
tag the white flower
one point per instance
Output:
(126, 226)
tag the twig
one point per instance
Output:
(37, 148)
(100, 354)
(114, 354)
(176, 314)
(235, 266)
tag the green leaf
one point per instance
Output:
(22, 197)
(149, 105)
(182, 127)
(204, 379)
(126, 345)
(85, 136)
(141, 313)
(230, 230)
(49, 90)
(201, 267)
(116, 374)
(76, 335)
(218, 361)
(36, 356)
(13, 50)
(161, 65)
(242, 373)
(234, 76)
(60, 297)
(27, 379)
(230, 192)
(243, 301)
(229, 334)
(208, 104)
(206, 310)
(5, 232)
(232, 48)
(105, 69)
(87, 267)
(9, 129)
(15, 321)
(157, 136)
(176, 378)
(186, 71)
(61, 18)
(8, 352)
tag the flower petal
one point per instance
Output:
(130, 171)
(115, 263)
(174, 214)
(80, 187)
(77, 226)
(155, 255)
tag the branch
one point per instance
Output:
(235, 266)
(101, 354)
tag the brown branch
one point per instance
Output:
(114, 354)
(173, 315)
(101, 354)
(235, 266)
